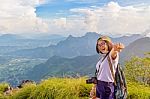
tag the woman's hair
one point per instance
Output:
(108, 42)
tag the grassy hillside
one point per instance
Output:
(67, 88)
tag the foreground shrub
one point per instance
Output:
(24, 92)
(61, 88)
(3, 86)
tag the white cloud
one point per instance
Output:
(66, 26)
(18, 16)
(111, 18)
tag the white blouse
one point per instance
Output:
(104, 73)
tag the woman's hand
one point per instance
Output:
(93, 92)
(118, 47)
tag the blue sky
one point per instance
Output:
(52, 8)
(58, 8)
(75, 17)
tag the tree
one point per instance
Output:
(138, 69)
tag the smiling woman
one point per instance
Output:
(106, 67)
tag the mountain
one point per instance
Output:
(11, 37)
(84, 65)
(127, 39)
(53, 38)
(48, 37)
(136, 48)
(13, 42)
(71, 47)
(59, 66)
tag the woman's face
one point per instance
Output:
(102, 46)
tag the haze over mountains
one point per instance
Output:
(13, 42)
(72, 46)
(39, 57)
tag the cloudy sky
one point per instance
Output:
(75, 17)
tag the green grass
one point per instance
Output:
(2, 87)
(24, 93)
(137, 91)
(61, 88)
(70, 88)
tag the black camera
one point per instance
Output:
(91, 80)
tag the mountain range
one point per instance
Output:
(136, 48)
(13, 42)
(72, 46)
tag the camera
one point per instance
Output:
(91, 80)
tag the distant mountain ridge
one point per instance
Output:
(127, 39)
(19, 42)
(11, 37)
(72, 47)
(137, 48)
(45, 36)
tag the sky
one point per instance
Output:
(75, 17)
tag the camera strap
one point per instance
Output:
(97, 71)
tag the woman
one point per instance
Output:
(105, 84)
